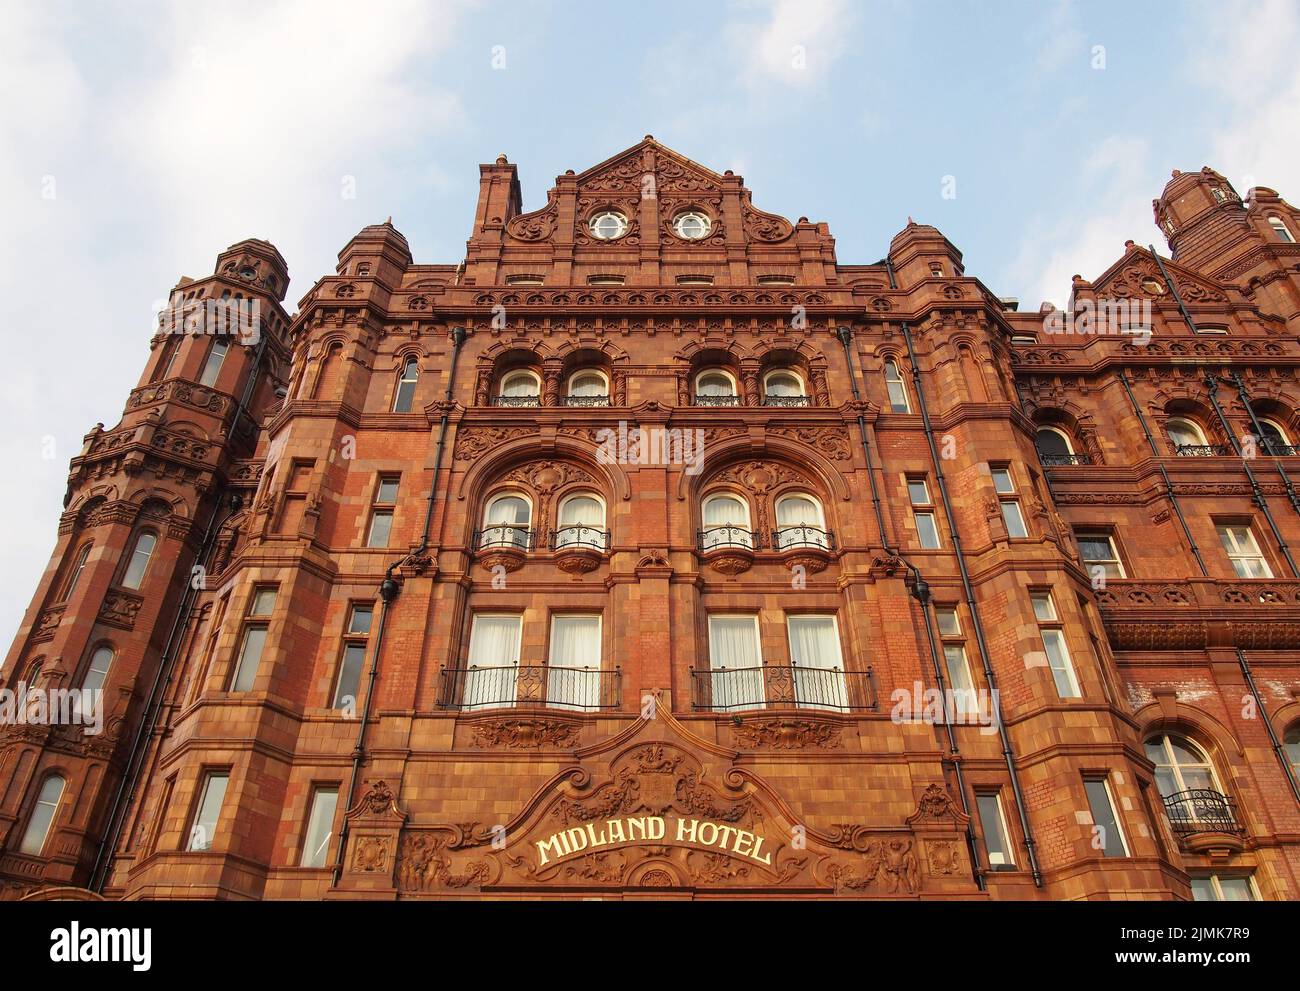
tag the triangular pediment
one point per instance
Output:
(1136, 275)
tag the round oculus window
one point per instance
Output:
(692, 225)
(607, 225)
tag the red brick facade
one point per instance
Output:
(356, 453)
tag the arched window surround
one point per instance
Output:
(572, 533)
(40, 809)
(718, 532)
(795, 531)
(408, 380)
(518, 387)
(500, 527)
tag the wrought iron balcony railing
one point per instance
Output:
(1062, 460)
(586, 400)
(788, 537)
(787, 400)
(776, 687)
(517, 401)
(568, 537)
(1202, 810)
(505, 535)
(717, 400)
(505, 686)
(715, 538)
(1202, 450)
(1276, 449)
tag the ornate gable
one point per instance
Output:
(1137, 276)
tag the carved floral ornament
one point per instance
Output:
(657, 807)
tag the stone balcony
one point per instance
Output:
(1254, 614)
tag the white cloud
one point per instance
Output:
(796, 42)
(190, 127)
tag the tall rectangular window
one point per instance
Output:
(348, 682)
(573, 673)
(212, 367)
(1012, 516)
(993, 822)
(927, 530)
(296, 488)
(42, 816)
(736, 663)
(1109, 837)
(320, 826)
(492, 675)
(1097, 549)
(254, 639)
(1242, 550)
(74, 576)
(898, 402)
(381, 513)
(819, 681)
(203, 830)
(1058, 654)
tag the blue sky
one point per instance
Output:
(139, 139)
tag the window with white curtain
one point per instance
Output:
(1184, 433)
(736, 663)
(799, 522)
(573, 676)
(492, 674)
(726, 522)
(42, 816)
(505, 524)
(819, 681)
(581, 522)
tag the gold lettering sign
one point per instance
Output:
(652, 829)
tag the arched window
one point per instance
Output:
(1194, 799)
(715, 387)
(74, 576)
(42, 816)
(1274, 439)
(1292, 743)
(581, 522)
(171, 348)
(726, 523)
(784, 387)
(520, 388)
(92, 683)
(1281, 230)
(406, 386)
(799, 523)
(898, 402)
(1184, 434)
(138, 563)
(506, 522)
(329, 378)
(1054, 446)
(588, 387)
(212, 367)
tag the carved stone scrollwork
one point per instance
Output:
(788, 734)
(525, 734)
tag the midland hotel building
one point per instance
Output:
(651, 550)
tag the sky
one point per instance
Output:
(137, 140)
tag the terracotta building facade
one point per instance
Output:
(652, 551)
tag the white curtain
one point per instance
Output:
(733, 645)
(818, 668)
(492, 678)
(800, 513)
(588, 385)
(507, 522)
(727, 511)
(519, 385)
(575, 643)
(581, 522)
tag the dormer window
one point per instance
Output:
(608, 225)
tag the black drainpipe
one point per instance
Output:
(1008, 754)
(1258, 493)
(153, 706)
(1268, 724)
(1260, 439)
(389, 589)
(921, 592)
(1169, 486)
(1213, 387)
